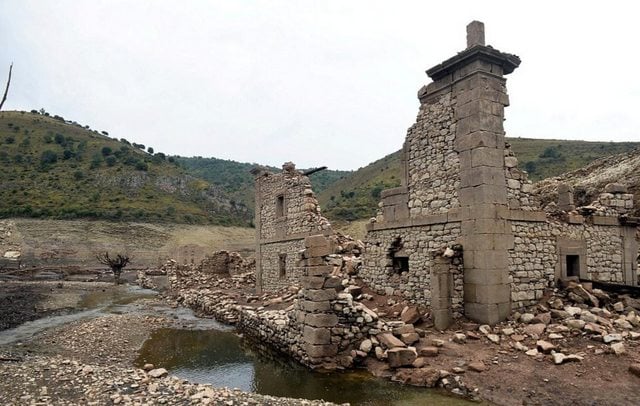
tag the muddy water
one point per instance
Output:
(221, 358)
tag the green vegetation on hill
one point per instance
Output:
(53, 168)
(357, 195)
(236, 180)
(546, 158)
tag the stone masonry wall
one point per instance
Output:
(519, 188)
(433, 164)
(418, 243)
(301, 212)
(533, 261)
(270, 257)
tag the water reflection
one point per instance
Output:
(224, 359)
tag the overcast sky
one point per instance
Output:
(315, 82)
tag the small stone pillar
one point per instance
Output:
(315, 311)
(475, 34)
(441, 283)
(565, 197)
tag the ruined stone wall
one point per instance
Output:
(270, 260)
(604, 249)
(535, 259)
(301, 212)
(519, 188)
(433, 163)
(419, 244)
(532, 262)
(286, 212)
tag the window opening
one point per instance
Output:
(282, 265)
(573, 265)
(280, 206)
(399, 261)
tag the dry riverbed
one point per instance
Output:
(90, 361)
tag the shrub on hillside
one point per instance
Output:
(48, 157)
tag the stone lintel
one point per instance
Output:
(524, 215)
(293, 237)
(394, 191)
(605, 221)
(452, 216)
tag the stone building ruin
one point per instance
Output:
(465, 233)
(287, 211)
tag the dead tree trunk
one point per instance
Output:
(6, 90)
(116, 264)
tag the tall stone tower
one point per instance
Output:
(475, 79)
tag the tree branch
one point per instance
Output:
(6, 90)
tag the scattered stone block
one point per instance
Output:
(409, 338)
(158, 372)
(389, 341)
(366, 345)
(399, 357)
(575, 324)
(610, 338)
(545, 346)
(535, 330)
(618, 348)
(410, 315)
(429, 351)
(635, 369)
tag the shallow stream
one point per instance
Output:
(205, 351)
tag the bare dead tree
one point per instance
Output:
(116, 264)
(6, 90)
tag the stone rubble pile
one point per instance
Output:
(548, 330)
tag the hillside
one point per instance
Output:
(546, 158)
(621, 168)
(236, 180)
(46, 242)
(53, 168)
(357, 195)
